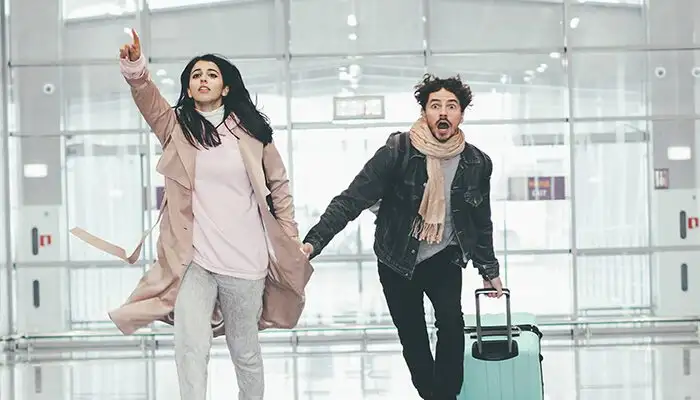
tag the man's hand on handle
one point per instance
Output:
(132, 51)
(494, 284)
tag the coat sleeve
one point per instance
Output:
(159, 115)
(484, 257)
(278, 184)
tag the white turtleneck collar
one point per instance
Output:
(216, 117)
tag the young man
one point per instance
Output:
(434, 216)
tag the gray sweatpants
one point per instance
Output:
(241, 305)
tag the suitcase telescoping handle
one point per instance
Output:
(479, 329)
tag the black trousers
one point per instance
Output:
(441, 279)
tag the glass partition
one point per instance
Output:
(589, 111)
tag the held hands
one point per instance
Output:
(494, 284)
(307, 249)
(131, 52)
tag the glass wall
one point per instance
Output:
(4, 235)
(570, 98)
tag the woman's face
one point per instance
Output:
(206, 85)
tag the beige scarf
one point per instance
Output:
(430, 223)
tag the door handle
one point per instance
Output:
(683, 223)
(36, 296)
(684, 277)
(35, 240)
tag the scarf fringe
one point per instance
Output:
(429, 232)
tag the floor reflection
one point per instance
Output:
(636, 368)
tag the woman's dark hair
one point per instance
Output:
(199, 131)
(431, 84)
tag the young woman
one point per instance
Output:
(217, 236)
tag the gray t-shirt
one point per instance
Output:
(425, 249)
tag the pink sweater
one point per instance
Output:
(228, 235)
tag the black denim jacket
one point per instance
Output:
(396, 175)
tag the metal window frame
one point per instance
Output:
(143, 23)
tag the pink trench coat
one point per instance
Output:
(154, 297)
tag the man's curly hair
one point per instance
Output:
(454, 84)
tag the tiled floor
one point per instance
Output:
(618, 369)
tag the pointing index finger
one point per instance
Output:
(135, 36)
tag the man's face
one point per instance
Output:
(443, 114)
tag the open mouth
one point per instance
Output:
(443, 125)
(204, 89)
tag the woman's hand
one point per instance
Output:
(131, 52)
(307, 249)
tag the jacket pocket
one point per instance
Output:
(408, 191)
(473, 197)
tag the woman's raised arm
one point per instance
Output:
(159, 115)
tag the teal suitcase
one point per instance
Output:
(502, 359)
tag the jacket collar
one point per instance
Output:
(469, 155)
